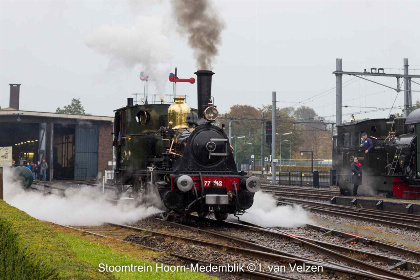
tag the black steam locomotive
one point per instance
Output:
(391, 167)
(181, 155)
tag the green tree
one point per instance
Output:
(285, 123)
(305, 113)
(316, 136)
(74, 108)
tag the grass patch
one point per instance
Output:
(123, 247)
(95, 254)
(29, 249)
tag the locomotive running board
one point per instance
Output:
(219, 154)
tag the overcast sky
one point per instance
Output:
(58, 49)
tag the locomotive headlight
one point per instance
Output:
(253, 184)
(184, 183)
(211, 113)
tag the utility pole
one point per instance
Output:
(407, 93)
(273, 140)
(376, 72)
(236, 139)
(230, 131)
(338, 92)
(262, 145)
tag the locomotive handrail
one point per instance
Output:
(219, 154)
(218, 139)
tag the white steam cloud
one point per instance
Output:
(143, 45)
(81, 206)
(265, 212)
(141, 5)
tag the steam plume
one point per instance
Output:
(82, 206)
(143, 44)
(265, 212)
(200, 21)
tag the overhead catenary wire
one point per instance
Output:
(323, 93)
(329, 91)
(375, 109)
(378, 108)
(356, 98)
(393, 105)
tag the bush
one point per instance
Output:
(29, 249)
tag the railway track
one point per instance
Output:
(403, 261)
(318, 194)
(121, 232)
(301, 189)
(306, 197)
(402, 221)
(227, 244)
(349, 238)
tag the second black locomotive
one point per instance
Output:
(391, 167)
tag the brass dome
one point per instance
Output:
(177, 113)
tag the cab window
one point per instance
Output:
(346, 138)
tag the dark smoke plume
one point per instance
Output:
(200, 21)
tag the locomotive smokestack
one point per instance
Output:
(14, 96)
(129, 102)
(203, 90)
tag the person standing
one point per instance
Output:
(33, 164)
(44, 167)
(366, 143)
(356, 177)
(38, 171)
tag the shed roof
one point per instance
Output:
(20, 113)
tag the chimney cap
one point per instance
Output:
(204, 72)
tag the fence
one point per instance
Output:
(296, 162)
(305, 179)
(286, 165)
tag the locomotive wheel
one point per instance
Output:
(221, 216)
(185, 218)
(118, 190)
(202, 215)
(167, 216)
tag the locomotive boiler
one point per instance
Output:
(182, 155)
(391, 167)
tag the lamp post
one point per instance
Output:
(290, 151)
(312, 158)
(237, 137)
(230, 130)
(287, 133)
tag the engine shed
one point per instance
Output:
(76, 147)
